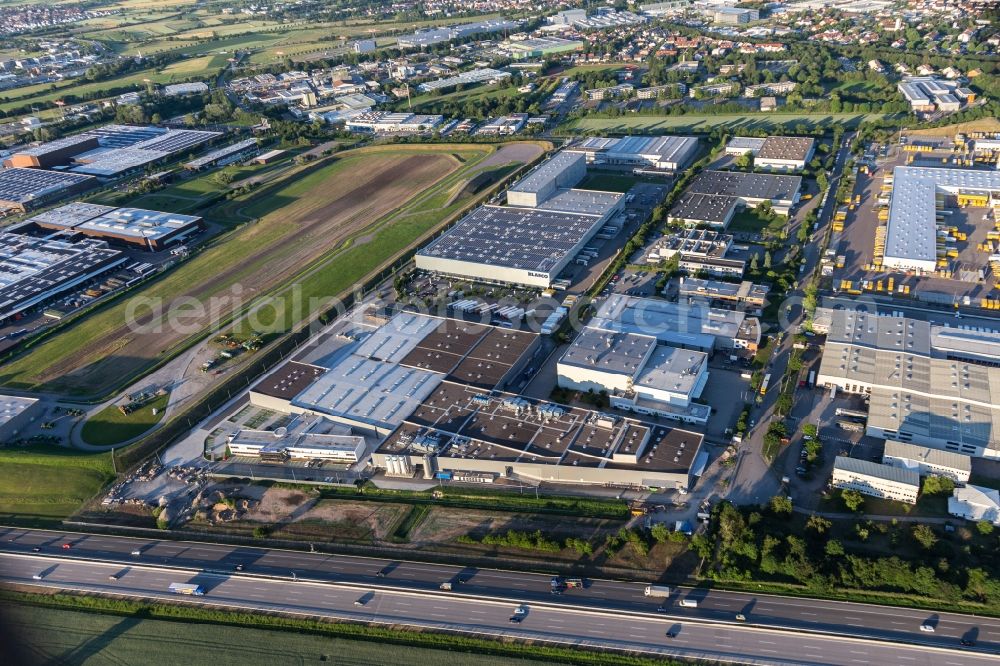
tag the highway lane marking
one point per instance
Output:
(808, 614)
(278, 581)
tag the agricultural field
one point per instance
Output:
(61, 636)
(696, 123)
(361, 208)
(43, 484)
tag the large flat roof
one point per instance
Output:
(672, 369)
(461, 422)
(33, 269)
(587, 202)
(523, 238)
(288, 380)
(547, 171)
(139, 223)
(912, 228)
(747, 185)
(927, 455)
(70, 215)
(877, 470)
(711, 208)
(22, 186)
(609, 351)
(916, 387)
(676, 323)
(791, 148)
(368, 391)
(12, 406)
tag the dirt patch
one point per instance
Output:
(443, 525)
(378, 518)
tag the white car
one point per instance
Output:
(37, 577)
(929, 628)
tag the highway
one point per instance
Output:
(606, 613)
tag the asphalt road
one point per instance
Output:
(710, 627)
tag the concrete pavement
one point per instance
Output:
(715, 607)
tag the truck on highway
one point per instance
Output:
(187, 588)
(658, 591)
(574, 582)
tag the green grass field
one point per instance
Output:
(608, 182)
(109, 426)
(66, 636)
(695, 123)
(749, 221)
(43, 484)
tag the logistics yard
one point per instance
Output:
(918, 224)
(305, 216)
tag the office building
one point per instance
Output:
(870, 478)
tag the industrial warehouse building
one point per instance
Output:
(35, 270)
(111, 151)
(776, 153)
(695, 326)
(531, 240)
(750, 189)
(146, 229)
(638, 374)
(461, 430)
(561, 171)
(653, 153)
(384, 377)
(712, 210)
(927, 384)
(26, 189)
(52, 154)
(917, 195)
(870, 478)
(926, 461)
(16, 414)
(502, 244)
(745, 294)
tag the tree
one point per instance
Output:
(745, 161)
(819, 524)
(753, 264)
(925, 536)
(803, 233)
(659, 532)
(810, 430)
(767, 260)
(853, 500)
(938, 485)
(781, 505)
(985, 527)
(833, 548)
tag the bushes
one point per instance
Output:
(514, 539)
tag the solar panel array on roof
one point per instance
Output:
(523, 238)
(33, 270)
(23, 186)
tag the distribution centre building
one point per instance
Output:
(147, 229)
(25, 189)
(35, 270)
(658, 153)
(927, 384)
(911, 236)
